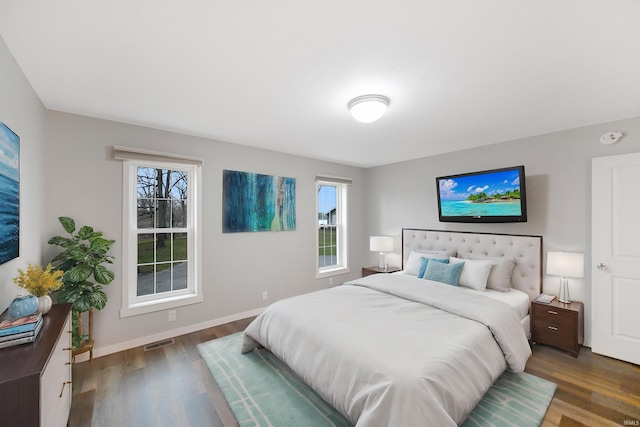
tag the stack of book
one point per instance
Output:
(20, 330)
(545, 299)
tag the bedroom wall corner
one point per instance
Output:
(22, 111)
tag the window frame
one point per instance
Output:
(342, 240)
(132, 304)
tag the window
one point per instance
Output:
(161, 249)
(332, 226)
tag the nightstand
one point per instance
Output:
(366, 271)
(559, 325)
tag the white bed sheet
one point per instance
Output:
(383, 359)
(516, 299)
(526, 326)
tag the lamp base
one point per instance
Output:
(564, 291)
(381, 263)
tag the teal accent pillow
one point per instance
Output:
(424, 261)
(445, 273)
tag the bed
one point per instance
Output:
(526, 250)
(402, 350)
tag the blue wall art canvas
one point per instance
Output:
(9, 194)
(255, 202)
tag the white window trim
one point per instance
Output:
(342, 224)
(133, 305)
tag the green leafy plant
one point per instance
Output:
(83, 257)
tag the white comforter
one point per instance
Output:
(382, 354)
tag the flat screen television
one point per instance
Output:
(497, 195)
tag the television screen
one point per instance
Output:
(497, 195)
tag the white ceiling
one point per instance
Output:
(279, 74)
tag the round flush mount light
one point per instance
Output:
(368, 108)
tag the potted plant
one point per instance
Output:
(83, 257)
(39, 282)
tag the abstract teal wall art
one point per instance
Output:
(255, 202)
(9, 194)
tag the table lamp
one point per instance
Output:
(565, 264)
(381, 244)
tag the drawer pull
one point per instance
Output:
(63, 385)
(67, 349)
(553, 328)
(552, 312)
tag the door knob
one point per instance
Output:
(601, 266)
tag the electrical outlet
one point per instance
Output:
(330, 281)
(172, 316)
(265, 295)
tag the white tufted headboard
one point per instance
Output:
(526, 250)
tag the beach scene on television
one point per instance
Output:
(486, 194)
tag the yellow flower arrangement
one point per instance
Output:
(38, 281)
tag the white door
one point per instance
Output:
(615, 255)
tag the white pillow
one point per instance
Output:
(412, 266)
(500, 276)
(474, 273)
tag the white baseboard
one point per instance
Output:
(103, 351)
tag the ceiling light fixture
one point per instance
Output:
(368, 108)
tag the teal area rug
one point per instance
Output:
(262, 391)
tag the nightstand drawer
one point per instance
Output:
(554, 315)
(562, 336)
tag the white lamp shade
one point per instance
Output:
(368, 108)
(565, 264)
(381, 243)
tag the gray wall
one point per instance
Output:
(22, 112)
(558, 178)
(87, 185)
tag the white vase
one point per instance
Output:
(45, 304)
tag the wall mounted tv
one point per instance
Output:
(497, 195)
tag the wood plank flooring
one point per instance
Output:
(168, 386)
(172, 386)
(593, 390)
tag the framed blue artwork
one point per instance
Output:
(255, 202)
(9, 194)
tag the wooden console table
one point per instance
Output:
(35, 379)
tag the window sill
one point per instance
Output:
(160, 305)
(332, 272)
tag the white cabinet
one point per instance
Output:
(55, 384)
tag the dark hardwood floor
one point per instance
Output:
(168, 386)
(593, 390)
(172, 386)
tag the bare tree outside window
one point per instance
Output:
(162, 210)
